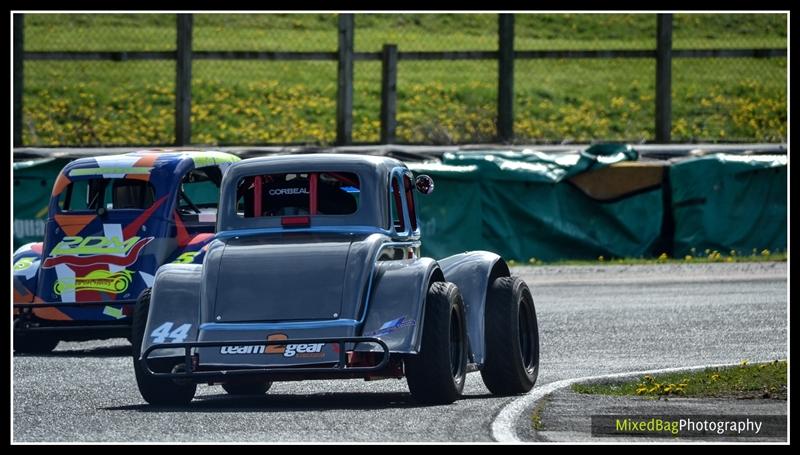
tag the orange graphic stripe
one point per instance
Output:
(52, 314)
(147, 160)
(131, 229)
(73, 224)
(61, 182)
(22, 297)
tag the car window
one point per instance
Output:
(198, 195)
(114, 193)
(202, 187)
(302, 193)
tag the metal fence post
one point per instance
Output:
(344, 99)
(183, 81)
(664, 78)
(19, 75)
(389, 94)
(505, 84)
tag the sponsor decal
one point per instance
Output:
(96, 280)
(391, 326)
(186, 258)
(23, 264)
(241, 350)
(83, 251)
(287, 191)
(24, 228)
(300, 350)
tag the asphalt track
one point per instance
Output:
(593, 320)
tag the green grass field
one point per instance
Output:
(237, 102)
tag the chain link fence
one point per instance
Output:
(729, 99)
(583, 99)
(122, 99)
(264, 101)
(97, 102)
(438, 101)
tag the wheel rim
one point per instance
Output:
(456, 347)
(528, 345)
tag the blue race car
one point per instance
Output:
(113, 220)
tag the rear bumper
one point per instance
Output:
(25, 321)
(331, 370)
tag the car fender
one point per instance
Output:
(397, 302)
(194, 251)
(472, 272)
(27, 260)
(174, 315)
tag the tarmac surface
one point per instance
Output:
(592, 320)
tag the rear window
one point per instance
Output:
(91, 194)
(311, 193)
(201, 186)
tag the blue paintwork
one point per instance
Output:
(263, 326)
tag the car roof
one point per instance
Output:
(162, 156)
(317, 160)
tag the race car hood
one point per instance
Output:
(281, 277)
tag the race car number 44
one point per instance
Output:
(165, 331)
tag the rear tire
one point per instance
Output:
(436, 375)
(34, 343)
(156, 391)
(512, 338)
(247, 388)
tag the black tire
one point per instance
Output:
(247, 388)
(512, 338)
(156, 391)
(436, 375)
(35, 343)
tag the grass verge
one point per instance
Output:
(536, 416)
(764, 380)
(710, 257)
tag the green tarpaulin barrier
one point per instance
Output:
(729, 202)
(33, 183)
(527, 204)
(522, 206)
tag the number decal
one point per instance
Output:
(186, 258)
(180, 333)
(165, 331)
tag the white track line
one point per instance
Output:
(503, 426)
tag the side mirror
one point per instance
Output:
(424, 184)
